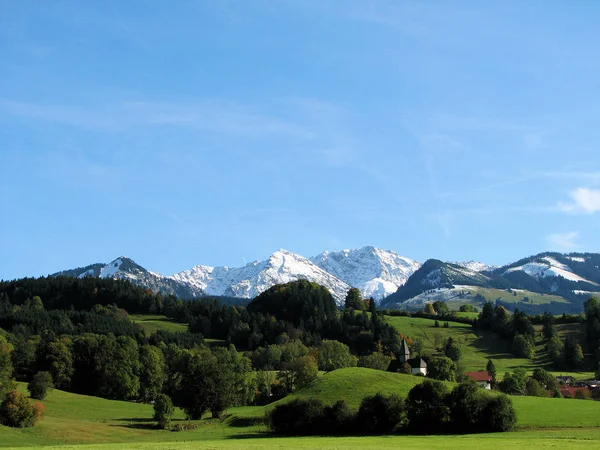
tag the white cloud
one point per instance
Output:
(564, 241)
(585, 201)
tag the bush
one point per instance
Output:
(534, 389)
(426, 408)
(163, 410)
(499, 415)
(379, 414)
(583, 394)
(338, 418)
(466, 402)
(300, 416)
(17, 411)
(442, 368)
(40, 384)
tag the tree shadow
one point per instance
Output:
(243, 422)
(139, 426)
(257, 435)
(136, 419)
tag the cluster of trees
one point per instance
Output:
(516, 328)
(15, 408)
(83, 293)
(540, 384)
(293, 331)
(428, 409)
(298, 310)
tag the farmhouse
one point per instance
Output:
(482, 378)
(565, 380)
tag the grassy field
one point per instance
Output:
(534, 298)
(75, 420)
(151, 323)
(478, 346)
(571, 439)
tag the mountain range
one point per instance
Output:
(377, 273)
(394, 281)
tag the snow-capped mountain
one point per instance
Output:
(475, 266)
(548, 266)
(256, 277)
(435, 275)
(124, 268)
(376, 272)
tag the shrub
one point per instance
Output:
(499, 415)
(583, 394)
(40, 384)
(337, 418)
(163, 410)
(426, 407)
(442, 368)
(379, 414)
(466, 402)
(300, 416)
(534, 389)
(17, 411)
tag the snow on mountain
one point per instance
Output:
(376, 272)
(256, 277)
(475, 266)
(124, 268)
(548, 266)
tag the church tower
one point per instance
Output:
(404, 352)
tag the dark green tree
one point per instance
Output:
(491, 368)
(354, 300)
(163, 410)
(466, 404)
(499, 415)
(427, 410)
(153, 372)
(441, 368)
(39, 385)
(334, 355)
(380, 414)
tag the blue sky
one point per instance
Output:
(215, 132)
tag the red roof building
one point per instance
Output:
(482, 378)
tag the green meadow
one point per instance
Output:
(77, 421)
(479, 345)
(151, 323)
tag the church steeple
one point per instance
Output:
(404, 352)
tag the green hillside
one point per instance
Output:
(478, 346)
(153, 322)
(352, 384)
(76, 419)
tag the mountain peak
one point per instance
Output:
(376, 272)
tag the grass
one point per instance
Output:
(478, 346)
(572, 439)
(152, 323)
(352, 384)
(72, 420)
(534, 298)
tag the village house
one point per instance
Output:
(482, 378)
(567, 380)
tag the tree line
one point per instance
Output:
(429, 408)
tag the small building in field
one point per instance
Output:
(482, 378)
(418, 366)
